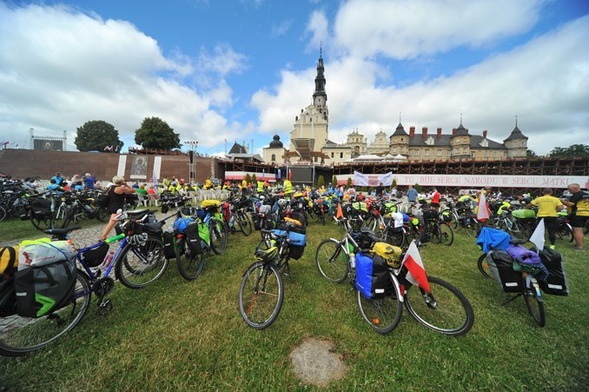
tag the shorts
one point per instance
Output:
(578, 221)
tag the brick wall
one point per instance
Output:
(24, 163)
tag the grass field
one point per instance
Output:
(178, 335)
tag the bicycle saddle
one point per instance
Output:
(61, 233)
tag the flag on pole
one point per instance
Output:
(278, 174)
(263, 172)
(339, 213)
(483, 210)
(537, 237)
(289, 174)
(416, 274)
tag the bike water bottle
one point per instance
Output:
(108, 259)
(352, 260)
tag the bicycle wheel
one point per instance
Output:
(219, 235)
(470, 229)
(244, 222)
(445, 310)
(189, 264)
(445, 234)
(382, 314)
(332, 261)
(141, 264)
(22, 335)
(260, 295)
(396, 237)
(565, 231)
(41, 221)
(535, 305)
(483, 265)
(3, 213)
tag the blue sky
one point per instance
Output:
(240, 71)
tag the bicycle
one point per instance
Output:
(448, 311)
(261, 292)
(137, 256)
(521, 281)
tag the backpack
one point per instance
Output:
(372, 275)
(168, 239)
(501, 266)
(391, 254)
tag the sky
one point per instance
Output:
(226, 71)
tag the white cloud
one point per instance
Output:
(53, 77)
(544, 81)
(318, 27)
(410, 28)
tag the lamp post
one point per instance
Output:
(191, 162)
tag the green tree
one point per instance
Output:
(254, 179)
(156, 133)
(97, 135)
(531, 154)
(576, 150)
(320, 181)
(248, 178)
(334, 181)
(417, 187)
(349, 182)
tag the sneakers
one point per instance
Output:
(552, 247)
(575, 247)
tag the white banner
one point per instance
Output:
(466, 181)
(371, 179)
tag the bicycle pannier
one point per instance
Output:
(193, 240)
(8, 261)
(556, 284)
(169, 249)
(501, 266)
(41, 290)
(391, 254)
(372, 275)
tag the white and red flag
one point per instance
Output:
(414, 265)
(483, 212)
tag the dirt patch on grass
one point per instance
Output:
(316, 362)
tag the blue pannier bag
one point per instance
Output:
(296, 239)
(372, 275)
(181, 224)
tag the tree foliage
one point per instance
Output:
(156, 133)
(576, 150)
(97, 135)
(320, 181)
(531, 154)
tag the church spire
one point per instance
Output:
(320, 96)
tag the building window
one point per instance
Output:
(332, 155)
(341, 155)
(427, 152)
(439, 152)
(395, 150)
(273, 159)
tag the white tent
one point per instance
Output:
(362, 158)
(400, 157)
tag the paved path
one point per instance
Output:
(83, 237)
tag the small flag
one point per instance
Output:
(339, 213)
(537, 237)
(278, 174)
(289, 174)
(416, 274)
(263, 172)
(483, 210)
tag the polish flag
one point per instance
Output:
(416, 271)
(483, 211)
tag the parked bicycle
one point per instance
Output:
(433, 302)
(261, 292)
(137, 262)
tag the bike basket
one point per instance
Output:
(95, 257)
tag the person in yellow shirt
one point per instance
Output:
(579, 204)
(287, 188)
(548, 206)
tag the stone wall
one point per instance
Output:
(20, 163)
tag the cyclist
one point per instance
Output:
(579, 202)
(548, 206)
(116, 200)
